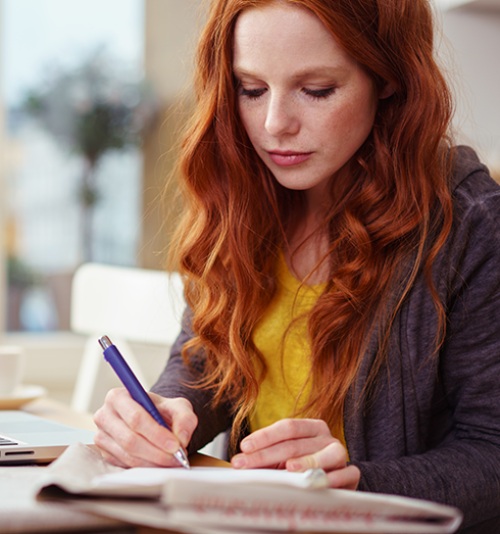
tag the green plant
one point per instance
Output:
(92, 109)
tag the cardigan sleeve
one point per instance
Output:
(177, 380)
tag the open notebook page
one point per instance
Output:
(151, 476)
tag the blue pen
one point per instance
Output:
(137, 392)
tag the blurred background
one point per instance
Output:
(89, 110)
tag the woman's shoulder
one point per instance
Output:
(476, 196)
(471, 179)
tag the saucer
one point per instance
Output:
(22, 395)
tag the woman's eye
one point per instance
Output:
(253, 94)
(319, 93)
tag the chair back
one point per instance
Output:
(132, 304)
(127, 305)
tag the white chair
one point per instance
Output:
(128, 305)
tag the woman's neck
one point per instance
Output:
(309, 242)
(306, 247)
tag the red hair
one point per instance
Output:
(391, 208)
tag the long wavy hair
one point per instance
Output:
(390, 211)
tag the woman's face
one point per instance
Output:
(306, 105)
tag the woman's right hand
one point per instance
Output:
(128, 436)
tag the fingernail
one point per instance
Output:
(239, 462)
(294, 466)
(183, 437)
(247, 446)
(171, 446)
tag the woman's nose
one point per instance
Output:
(281, 117)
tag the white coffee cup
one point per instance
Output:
(11, 369)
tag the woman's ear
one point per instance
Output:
(387, 91)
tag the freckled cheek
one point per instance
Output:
(350, 124)
(253, 122)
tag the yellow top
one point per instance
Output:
(284, 390)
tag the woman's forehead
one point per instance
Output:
(282, 34)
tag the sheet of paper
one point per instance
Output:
(148, 476)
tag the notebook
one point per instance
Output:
(28, 439)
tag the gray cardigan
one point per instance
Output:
(432, 431)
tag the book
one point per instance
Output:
(208, 500)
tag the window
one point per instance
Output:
(59, 60)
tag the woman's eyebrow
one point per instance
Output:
(320, 71)
(243, 72)
(306, 73)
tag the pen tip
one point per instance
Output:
(182, 458)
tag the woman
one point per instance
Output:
(340, 261)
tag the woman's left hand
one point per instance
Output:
(298, 445)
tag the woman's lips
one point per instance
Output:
(288, 158)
